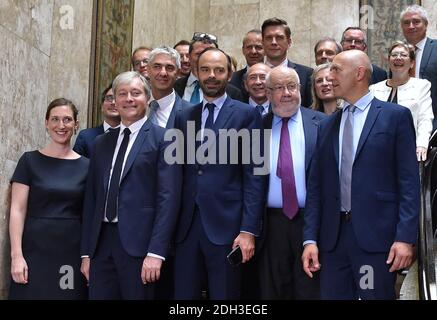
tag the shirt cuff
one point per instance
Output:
(85, 256)
(249, 233)
(155, 256)
(309, 242)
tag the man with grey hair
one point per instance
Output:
(131, 203)
(354, 38)
(292, 144)
(164, 64)
(414, 23)
(326, 49)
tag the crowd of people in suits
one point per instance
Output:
(341, 192)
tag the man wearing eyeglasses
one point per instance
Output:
(292, 144)
(111, 120)
(222, 201)
(188, 87)
(140, 59)
(355, 38)
(276, 40)
(414, 24)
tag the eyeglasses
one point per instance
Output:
(354, 41)
(109, 98)
(66, 120)
(137, 63)
(204, 36)
(291, 87)
(402, 55)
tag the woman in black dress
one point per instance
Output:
(46, 208)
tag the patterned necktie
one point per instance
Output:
(260, 109)
(195, 97)
(347, 160)
(154, 106)
(285, 172)
(114, 185)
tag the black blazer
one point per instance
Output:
(232, 91)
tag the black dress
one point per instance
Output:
(52, 229)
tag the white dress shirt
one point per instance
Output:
(283, 63)
(265, 105)
(106, 127)
(165, 107)
(189, 88)
(420, 46)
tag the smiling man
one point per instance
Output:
(132, 201)
(164, 64)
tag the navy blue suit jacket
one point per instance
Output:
(304, 74)
(229, 196)
(148, 199)
(178, 106)
(428, 71)
(85, 140)
(378, 74)
(238, 81)
(385, 182)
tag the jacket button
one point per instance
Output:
(200, 172)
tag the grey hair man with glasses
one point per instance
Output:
(414, 24)
(188, 87)
(111, 120)
(292, 144)
(356, 38)
(140, 59)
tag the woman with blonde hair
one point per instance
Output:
(322, 91)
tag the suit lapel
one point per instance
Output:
(336, 134)
(176, 108)
(425, 56)
(108, 153)
(374, 110)
(310, 132)
(224, 114)
(142, 134)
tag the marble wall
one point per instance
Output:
(45, 54)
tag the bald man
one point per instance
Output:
(362, 205)
(255, 84)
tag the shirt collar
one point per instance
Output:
(166, 101)
(254, 104)
(106, 126)
(218, 102)
(134, 127)
(283, 63)
(191, 79)
(362, 103)
(295, 117)
(421, 44)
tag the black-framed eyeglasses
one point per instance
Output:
(204, 36)
(137, 63)
(109, 98)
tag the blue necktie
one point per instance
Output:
(195, 97)
(260, 109)
(114, 185)
(154, 106)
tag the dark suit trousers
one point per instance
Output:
(348, 272)
(280, 266)
(114, 274)
(195, 255)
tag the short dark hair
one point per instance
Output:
(139, 49)
(182, 43)
(105, 91)
(276, 22)
(355, 28)
(338, 47)
(205, 40)
(62, 102)
(228, 58)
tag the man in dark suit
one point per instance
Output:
(222, 201)
(188, 88)
(111, 120)
(293, 140)
(132, 200)
(253, 51)
(276, 39)
(255, 83)
(363, 197)
(414, 23)
(163, 67)
(354, 38)
(326, 49)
